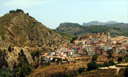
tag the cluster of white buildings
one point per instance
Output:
(91, 44)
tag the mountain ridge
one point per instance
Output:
(114, 29)
(101, 23)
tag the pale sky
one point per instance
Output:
(53, 12)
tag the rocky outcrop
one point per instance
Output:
(12, 57)
(27, 55)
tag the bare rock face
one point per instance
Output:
(10, 60)
(12, 57)
(27, 55)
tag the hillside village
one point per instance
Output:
(100, 44)
(83, 49)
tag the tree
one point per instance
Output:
(65, 60)
(6, 72)
(73, 39)
(16, 11)
(35, 54)
(19, 10)
(23, 68)
(81, 69)
(94, 57)
(9, 48)
(105, 64)
(126, 59)
(126, 72)
(110, 52)
(92, 66)
(111, 62)
(59, 60)
(28, 14)
(120, 59)
(12, 11)
(3, 62)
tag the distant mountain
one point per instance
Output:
(77, 29)
(93, 23)
(100, 23)
(70, 28)
(111, 22)
(20, 29)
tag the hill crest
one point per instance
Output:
(20, 29)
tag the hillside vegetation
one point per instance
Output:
(20, 29)
(76, 29)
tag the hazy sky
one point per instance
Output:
(53, 12)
